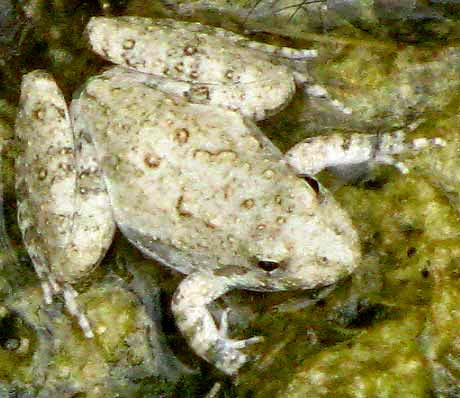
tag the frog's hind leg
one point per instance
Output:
(279, 51)
(341, 151)
(65, 223)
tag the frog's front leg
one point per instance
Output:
(196, 323)
(317, 153)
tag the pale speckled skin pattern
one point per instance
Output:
(196, 186)
(200, 188)
(64, 213)
(215, 65)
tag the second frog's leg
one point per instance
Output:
(284, 52)
(318, 91)
(317, 153)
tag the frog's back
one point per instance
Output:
(191, 184)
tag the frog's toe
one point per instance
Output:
(229, 357)
(247, 342)
(71, 304)
(51, 287)
(48, 291)
(237, 344)
(223, 328)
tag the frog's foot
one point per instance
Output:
(227, 351)
(51, 288)
(70, 303)
(317, 91)
(393, 144)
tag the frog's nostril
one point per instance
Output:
(268, 265)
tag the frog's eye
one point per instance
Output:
(312, 182)
(268, 265)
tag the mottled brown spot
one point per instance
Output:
(151, 160)
(194, 74)
(42, 173)
(190, 50)
(198, 93)
(269, 173)
(223, 155)
(281, 220)
(165, 71)
(60, 111)
(247, 204)
(228, 191)
(66, 151)
(229, 74)
(181, 135)
(278, 199)
(65, 166)
(84, 174)
(210, 225)
(346, 142)
(179, 67)
(323, 260)
(226, 155)
(133, 63)
(261, 226)
(337, 230)
(38, 113)
(129, 44)
(180, 210)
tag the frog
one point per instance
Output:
(164, 146)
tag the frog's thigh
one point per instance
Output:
(340, 151)
(94, 225)
(196, 323)
(234, 97)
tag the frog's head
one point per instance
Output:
(315, 245)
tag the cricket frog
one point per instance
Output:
(163, 147)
